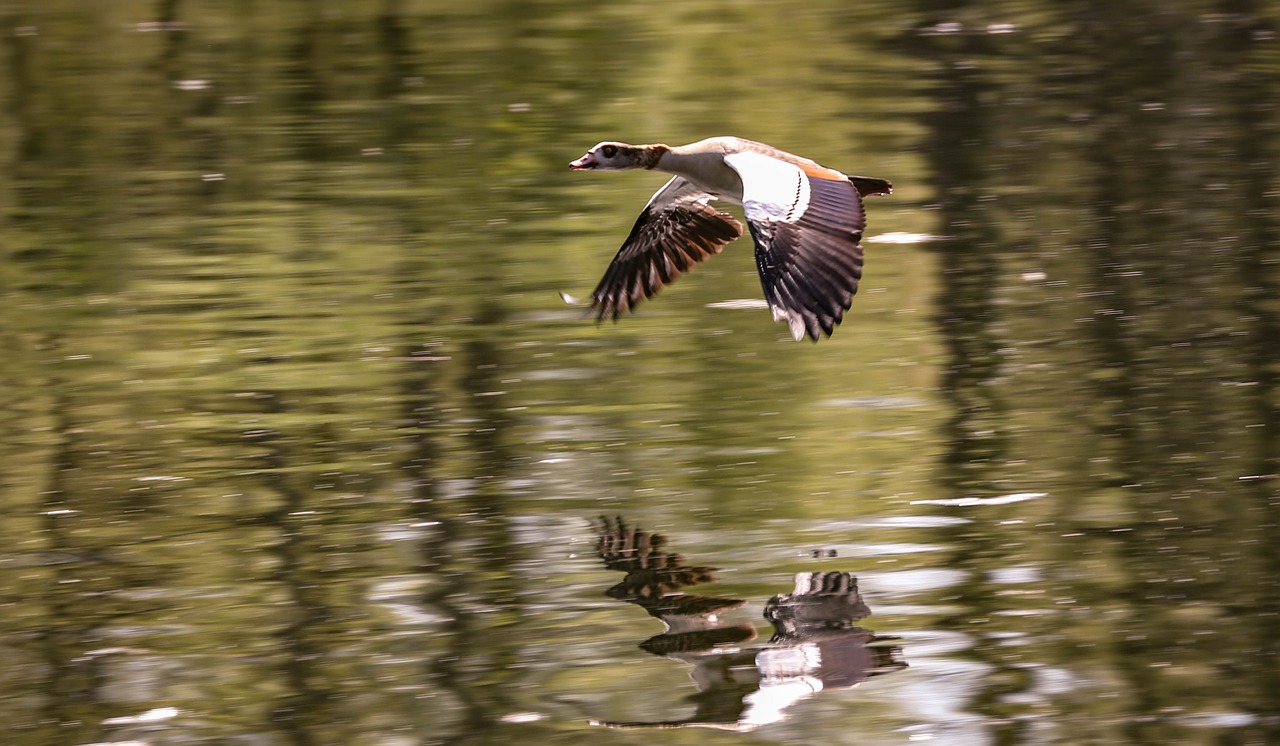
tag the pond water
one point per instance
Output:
(301, 446)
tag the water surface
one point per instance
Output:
(300, 445)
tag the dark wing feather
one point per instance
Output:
(676, 230)
(809, 277)
(810, 268)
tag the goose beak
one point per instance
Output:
(584, 163)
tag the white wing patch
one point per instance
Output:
(772, 190)
(678, 189)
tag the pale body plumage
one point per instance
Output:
(806, 220)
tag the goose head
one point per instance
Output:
(615, 156)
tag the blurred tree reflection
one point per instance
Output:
(1112, 201)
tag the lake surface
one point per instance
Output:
(301, 446)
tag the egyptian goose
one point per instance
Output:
(806, 220)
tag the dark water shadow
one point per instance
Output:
(815, 646)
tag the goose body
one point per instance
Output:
(806, 221)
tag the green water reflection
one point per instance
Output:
(300, 445)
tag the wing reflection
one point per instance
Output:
(815, 645)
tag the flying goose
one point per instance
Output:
(806, 220)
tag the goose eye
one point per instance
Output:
(609, 151)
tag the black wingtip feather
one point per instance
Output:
(811, 269)
(664, 243)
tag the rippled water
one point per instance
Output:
(301, 445)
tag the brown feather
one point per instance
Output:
(664, 243)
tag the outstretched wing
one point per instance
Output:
(676, 230)
(807, 221)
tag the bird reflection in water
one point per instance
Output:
(815, 645)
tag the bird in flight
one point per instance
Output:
(806, 220)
